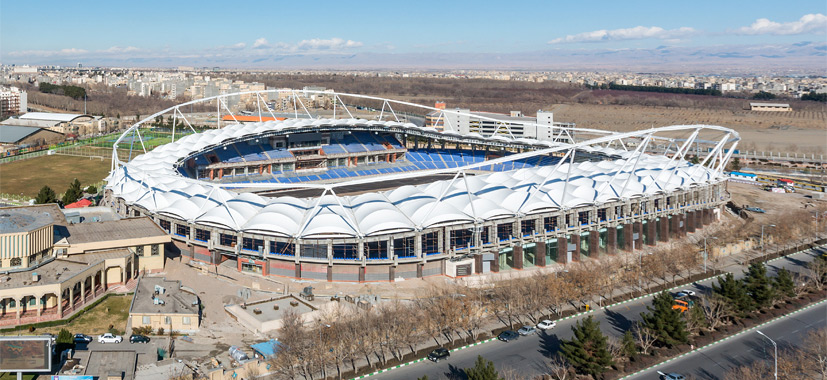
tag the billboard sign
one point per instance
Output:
(25, 354)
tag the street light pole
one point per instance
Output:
(775, 346)
(763, 249)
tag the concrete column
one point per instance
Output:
(72, 296)
(540, 253)
(478, 264)
(628, 234)
(517, 251)
(683, 227)
(362, 273)
(663, 228)
(60, 303)
(562, 246)
(419, 270)
(83, 291)
(329, 273)
(611, 240)
(265, 267)
(674, 226)
(495, 264)
(19, 306)
(39, 305)
(638, 229)
(594, 244)
(690, 221)
(651, 231)
(391, 273)
(575, 239)
(298, 271)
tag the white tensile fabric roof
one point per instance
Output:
(151, 181)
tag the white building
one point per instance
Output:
(490, 123)
(13, 101)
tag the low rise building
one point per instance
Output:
(774, 107)
(159, 303)
(50, 269)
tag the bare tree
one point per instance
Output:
(815, 351)
(558, 368)
(644, 337)
(717, 310)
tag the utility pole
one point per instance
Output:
(775, 346)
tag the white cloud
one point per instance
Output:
(636, 33)
(47, 53)
(261, 43)
(811, 23)
(239, 45)
(330, 44)
(120, 50)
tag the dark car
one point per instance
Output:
(508, 335)
(82, 338)
(138, 339)
(438, 354)
(672, 376)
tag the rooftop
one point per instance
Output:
(769, 104)
(132, 228)
(62, 117)
(102, 364)
(28, 218)
(175, 300)
(53, 272)
(10, 134)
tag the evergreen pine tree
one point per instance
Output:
(588, 351)
(664, 321)
(628, 343)
(734, 291)
(483, 370)
(46, 195)
(783, 283)
(73, 193)
(758, 285)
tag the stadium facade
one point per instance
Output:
(350, 199)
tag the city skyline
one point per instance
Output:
(531, 35)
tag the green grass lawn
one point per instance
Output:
(56, 171)
(13, 376)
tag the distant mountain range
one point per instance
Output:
(803, 56)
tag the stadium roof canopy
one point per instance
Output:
(151, 181)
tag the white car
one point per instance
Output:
(109, 338)
(546, 324)
(688, 292)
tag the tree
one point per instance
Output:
(783, 283)
(763, 95)
(46, 195)
(64, 336)
(695, 318)
(717, 310)
(645, 337)
(664, 321)
(91, 189)
(628, 342)
(695, 160)
(73, 193)
(588, 351)
(482, 370)
(734, 292)
(558, 368)
(758, 285)
(735, 164)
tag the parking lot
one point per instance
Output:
(146, 353)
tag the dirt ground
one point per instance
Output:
(773, 203)
(803, 132)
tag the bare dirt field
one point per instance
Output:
(796, 131)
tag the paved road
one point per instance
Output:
(528, 355)
(714, 362)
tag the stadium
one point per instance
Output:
(376, 197)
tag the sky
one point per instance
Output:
(265, 33)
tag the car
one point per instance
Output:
(526, 330)
(546, 324)
(671, 376)
(680, 295)
(508, 335)
(688, 292)
(110, 338)
(82, 338)
(135, 338)
(438, 354)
